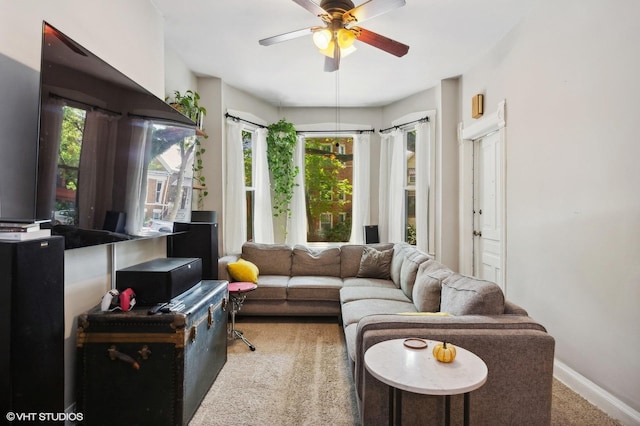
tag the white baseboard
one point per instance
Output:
(596, 395)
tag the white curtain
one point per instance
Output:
(383, 186)
(52, 117)
(234, 221)
(297, 223)
(141, 134)
(361, 196)
(423, 161)
(396, 156)
(262, 218)
(96, 163)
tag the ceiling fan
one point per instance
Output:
(336, 38)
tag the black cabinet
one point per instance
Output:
(196, 239)
(32, 326)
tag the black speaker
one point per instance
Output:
(196, 239)
(32, 326)
(115, 221)
(371, 234)
(209, 216)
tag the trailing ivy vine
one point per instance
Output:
(281, 144)
(188, 104)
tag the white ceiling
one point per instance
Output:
(446, 37)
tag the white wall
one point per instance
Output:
(104, 28)
(570, 77)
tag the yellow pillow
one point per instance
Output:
(243, 270)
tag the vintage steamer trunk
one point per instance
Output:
(141, 369)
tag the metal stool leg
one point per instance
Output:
(234, 334)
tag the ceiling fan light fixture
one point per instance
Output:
(322, 39)
(345, 38)
(329, 50)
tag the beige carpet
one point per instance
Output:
(299, 375)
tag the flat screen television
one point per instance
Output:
(115, 162)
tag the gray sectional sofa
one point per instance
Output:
(389, 291)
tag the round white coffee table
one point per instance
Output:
(416, 370)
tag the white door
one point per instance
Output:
(487, 209)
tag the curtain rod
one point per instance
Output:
(92, 107)
(329, 132)
(420, 120)
(234, 118)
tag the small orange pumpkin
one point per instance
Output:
(444, 352)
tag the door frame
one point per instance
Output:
(495, 122)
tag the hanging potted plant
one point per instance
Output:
(188, 104)
(281, 144)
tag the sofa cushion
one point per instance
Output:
(270, 287)
(243, 270)
(271, 259)
(367, 282)
(354, 311)
(375, 263)
(426, 290)
(325, 262)
(463, 295)
(399, 253)
(314, 288)
(413, 259)
(350, 334)
(350, 255)
(349, 294)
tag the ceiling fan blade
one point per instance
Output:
(332, 64)
(313, 8)
(370, 9)
(286, 36)
(381, 42)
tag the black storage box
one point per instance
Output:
(139, 369)
(160, 280)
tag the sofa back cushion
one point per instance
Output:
(399, 253)
(324, 262)
(351, 255)
(412, 261)
(427, 287)
(271, 259)
(463, 295)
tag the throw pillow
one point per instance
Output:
(243, 270)
(375, 263)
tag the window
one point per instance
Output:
(328, 188)
(326, 222)
(248, 152)
(158, 197)
(410, 187)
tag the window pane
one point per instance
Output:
(410, 217)
(411, 158)
(250, 203)
(247, 150)
(328, 188)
